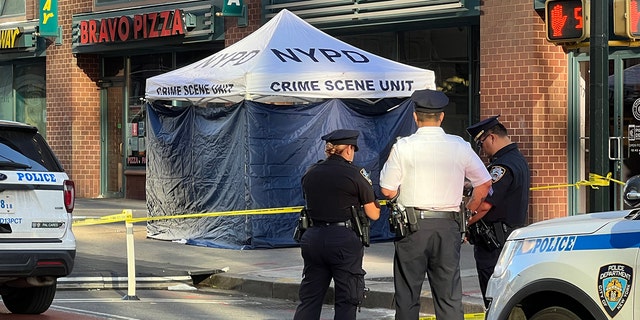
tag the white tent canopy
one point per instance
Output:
(288, 60)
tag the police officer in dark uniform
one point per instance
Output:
(506, 207)
(330, 247)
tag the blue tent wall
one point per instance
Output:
(251, 156)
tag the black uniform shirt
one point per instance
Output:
(332, 186)
(511, 181)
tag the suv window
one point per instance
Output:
(25, 149)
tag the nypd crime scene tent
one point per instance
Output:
(256, 112)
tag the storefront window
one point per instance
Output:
(12, 7)
(142, 67)
(124, 81)
(31, 92)
(444, 51)
(6, 93)
(23, 94)
(136, 136)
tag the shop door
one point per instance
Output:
(112, 153)
(625, 145)
(623, 131)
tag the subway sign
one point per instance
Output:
(130, 28)
(17, 38)
(8, 38)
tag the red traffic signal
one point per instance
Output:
(626, 15)
(567, 21)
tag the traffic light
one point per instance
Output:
(567, 21)
(626, 15)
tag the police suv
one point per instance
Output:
(37, 244)
(579, 267)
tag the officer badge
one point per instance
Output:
(614, 285)
(497, 172)
(365, 174)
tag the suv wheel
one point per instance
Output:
(555, 313)
(31, 300)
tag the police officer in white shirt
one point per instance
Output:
(430, 166)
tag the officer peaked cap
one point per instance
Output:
(429, 100)
(343, 136)
(481, 127)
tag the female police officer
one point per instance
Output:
(331, 248)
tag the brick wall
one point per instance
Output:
(524, 78)
(73, 106)
(31, 9)
(233, 33)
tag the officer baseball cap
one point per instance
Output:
(343, 136)
(430, 101)
(481, 127)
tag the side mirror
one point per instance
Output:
(632, 191)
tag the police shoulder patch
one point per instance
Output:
(497, 172)
(365, 174)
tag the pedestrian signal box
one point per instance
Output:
(567, 21)
(626, 15)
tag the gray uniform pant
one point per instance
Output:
(433, 250)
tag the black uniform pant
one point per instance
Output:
(434, 250)
(331, 252)
(486, 261)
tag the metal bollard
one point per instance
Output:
(131, 261)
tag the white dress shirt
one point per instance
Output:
(429, 168)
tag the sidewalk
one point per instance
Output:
(101, 262)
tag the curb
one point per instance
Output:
(108, 282)
(186, 280)
(287, 288)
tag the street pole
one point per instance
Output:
(599, 199)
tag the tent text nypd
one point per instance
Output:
(297, 55)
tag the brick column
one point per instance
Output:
(233, 33)
(73, 106)
(524, 78)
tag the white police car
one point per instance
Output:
(579, 267)
(37, 244)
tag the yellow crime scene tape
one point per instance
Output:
(120, 217)
(595, 181)
(128, 216)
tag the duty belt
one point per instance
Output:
(430, 214)
(346, 224)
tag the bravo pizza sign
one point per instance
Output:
(129, 28)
